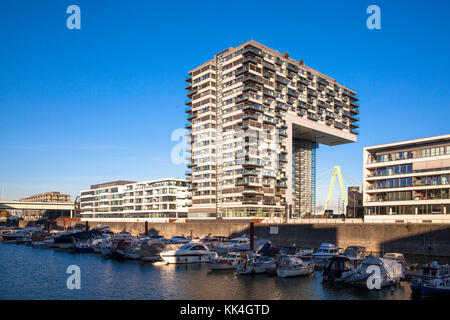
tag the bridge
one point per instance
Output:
(22, 205)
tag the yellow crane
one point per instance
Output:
(337, 173)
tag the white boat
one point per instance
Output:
(434, 280)
(97, 243)
(229, 262)
(292, 266)
(188, 253)
(126, 248)
(256, 264)
(391, 272)
(325, 252)
(241, 243)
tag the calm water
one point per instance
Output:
(31, 273)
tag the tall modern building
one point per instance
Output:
(408, 181)
(158, 199)
(255, 120)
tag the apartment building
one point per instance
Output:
(255, 120)
(408, 181)
(159, 199)
(52, 196)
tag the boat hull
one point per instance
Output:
(185, 259)
(294, 272)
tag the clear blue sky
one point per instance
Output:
(80, 107)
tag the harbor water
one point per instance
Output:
(32, 273)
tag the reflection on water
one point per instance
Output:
(29, 273)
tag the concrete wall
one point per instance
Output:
(404, 238)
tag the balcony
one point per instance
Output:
(282, 80)
(250, 201)
(281, 185)
(247, 116)
(253, 107)
(303, 81)
(293, 93)
(251, 49)
(252, 77)
(188, 125)
(241, 182)
(303, 105)
(188, 173)
(282, 106)
(338, 125)
(331, 93)
(191, 92)
(188, 102)
(313, 116)
(269, 66)
(241, 70)
(269, 120)
(250, 87)
(292, 67)
(278, 61)
(312, 93)
(282, 132)
(270, 93)
(252, 163)
(188, 79)
(250, 59)
(188, 109)
(250, 173)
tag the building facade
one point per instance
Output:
(52, 196)
(355, 208)
(255, 120)
(408, 181)
(159, 199)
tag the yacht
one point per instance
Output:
(126, 248)
(292, 266)
(229, 262)
(434, 280)
(188, 253)
(355, 252)
(391, 272)
(325, 252)
(256, 264)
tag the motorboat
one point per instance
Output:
(241, 243)
(188, 253)
(98, 242)
(229, 262)
(391, 272)
(82, 246)
(126, 248)
(434, 280)
(292, 266)
(339, 268)
(256, 264)
(323, 253)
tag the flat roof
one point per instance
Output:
(421, 141)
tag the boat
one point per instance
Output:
(323, 253)
(390, 272)
(82, 246)
(434, 280)
(339, 268)
(126, 248)
(188, 253)
(66, 241)
(241, 243)
(99, 242)
(229, 262)
(292, 266)
(256, 264)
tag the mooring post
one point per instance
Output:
(87, 225)
(146, 227)
(252, 236)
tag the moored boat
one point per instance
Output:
(323, 253)
(188, 253)
(256, 264)
(229, 262)
(434, 280)
(292, 266)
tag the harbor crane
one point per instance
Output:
(336, 173)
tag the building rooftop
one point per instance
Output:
(409, 143)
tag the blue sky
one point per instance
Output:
(80, 107)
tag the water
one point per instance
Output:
(31, 273)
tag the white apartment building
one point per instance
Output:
(408, 181)
(158, 199)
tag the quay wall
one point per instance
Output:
(406, 238)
